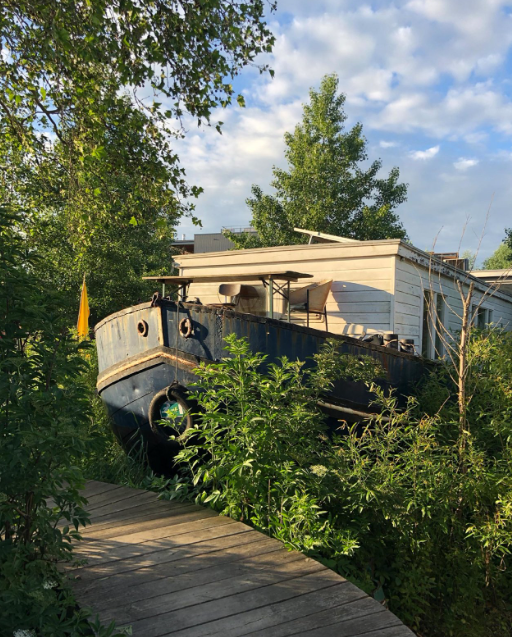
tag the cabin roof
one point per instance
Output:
(331, 245)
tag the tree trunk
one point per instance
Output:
(463, 360)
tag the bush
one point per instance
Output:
(419, 521)
(43, 435)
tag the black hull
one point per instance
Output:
(134, 367)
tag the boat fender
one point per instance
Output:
(185, 327)
(174, 393)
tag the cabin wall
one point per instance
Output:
(361, 299)
(412, 278)
(377, 286)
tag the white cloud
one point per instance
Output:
(407, 67)
(424, 154)
(460, 113)
(463, 164)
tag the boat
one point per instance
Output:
(147, 355)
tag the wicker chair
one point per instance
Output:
(311, 299)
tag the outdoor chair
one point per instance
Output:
(236, 292)
(311, 299)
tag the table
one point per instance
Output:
(270, 280)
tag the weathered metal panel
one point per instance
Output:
(118, 337)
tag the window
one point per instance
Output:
(426, 324)
(433, 319)
(481, 317)
(439, 322)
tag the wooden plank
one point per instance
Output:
(112, 505)
(165, 556)
(210, 610)
(284, 256)
(177, 569)
(110, 551)
(110, 498)
(344, 295)
(346, 610)
(376, 623)
(231, 585)
(407, 319)
(143, 526)
(140, 582)
(119, 513)
(278, 275)
(93, 487)
(140, 589)
(152, 511)
(349, 307)
(172, 530)
(281, 616)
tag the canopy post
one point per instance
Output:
(271, 297)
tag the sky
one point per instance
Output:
(431, 82)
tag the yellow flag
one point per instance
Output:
(83, 314)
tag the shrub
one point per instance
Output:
(398, 505)
(43, 435)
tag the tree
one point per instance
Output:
(326, 187)
(471, 257)
(114, 231)
(92, 96)
(43, 434)
(501, 259)
(58, 56)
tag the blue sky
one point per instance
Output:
(431, 82)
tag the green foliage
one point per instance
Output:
(61, 56)
(113, 255)
(82, 225)
(263, 436)
(397, 504)
(91, 100)
(471, 257)
(43, 416)
(501, 259)
(326, 187)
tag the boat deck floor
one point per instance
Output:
(168, 568)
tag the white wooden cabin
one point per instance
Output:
(501, 279)
(378, 286)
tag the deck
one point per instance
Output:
(178, 569)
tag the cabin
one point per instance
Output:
(501, 279)
(378, 287)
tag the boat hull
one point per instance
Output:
(145, 349)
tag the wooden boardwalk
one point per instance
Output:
(177, 569)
